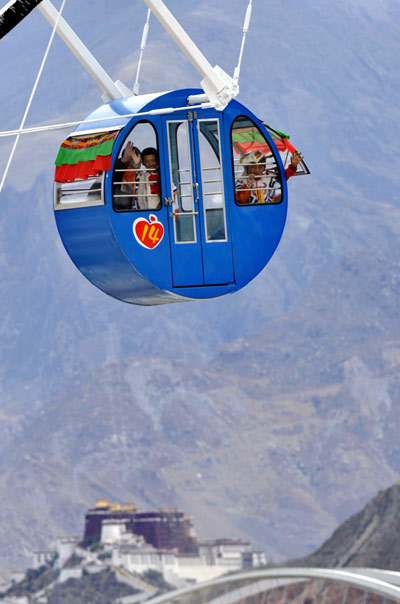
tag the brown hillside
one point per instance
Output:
(370, 538)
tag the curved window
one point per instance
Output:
(256, 170)
(136, 178)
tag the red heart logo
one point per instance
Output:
(148, 233)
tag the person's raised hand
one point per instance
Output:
(296, 159)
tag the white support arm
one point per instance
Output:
(218, 85)
(112, 90)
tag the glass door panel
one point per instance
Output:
(187, 263)
(217, 246)
(212, 181)
(181, 182)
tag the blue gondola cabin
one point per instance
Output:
(179, 220)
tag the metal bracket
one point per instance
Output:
(218, 85)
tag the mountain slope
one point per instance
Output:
(281, 437)
(368, 539)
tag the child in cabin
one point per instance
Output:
(130, 160)
(140, 189)
(258, 183)
(149, 181)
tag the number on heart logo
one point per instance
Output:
(148, 233)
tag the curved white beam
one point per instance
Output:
(346, 577)
(389, 576)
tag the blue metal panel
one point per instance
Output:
(119, 107)
(91, 244)
(256, 229)
(154, 264)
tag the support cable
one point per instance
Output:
(142, 48)
(160, 111)
(245, 30)
(31, 97)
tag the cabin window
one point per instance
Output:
(136, 177)
(80, 193)
(212, 180)
(256, 170)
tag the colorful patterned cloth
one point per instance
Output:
(84, 156)
(248, 139)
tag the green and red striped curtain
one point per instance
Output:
(247, 139)
(84, 156)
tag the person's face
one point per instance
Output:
(256, 169)
(150, 162)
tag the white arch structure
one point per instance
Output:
(381, 583)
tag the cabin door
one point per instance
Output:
(201, 248)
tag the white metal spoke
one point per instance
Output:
(31, 96)
(34, 129)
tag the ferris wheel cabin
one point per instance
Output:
(179, 229)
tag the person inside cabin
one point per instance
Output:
(149, 181)
(127, 169)
(139, 187)
(259, 183)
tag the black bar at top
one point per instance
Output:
(14, 14)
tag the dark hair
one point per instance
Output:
(149, 151)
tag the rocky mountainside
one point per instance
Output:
(278, 439)
(370, 538)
